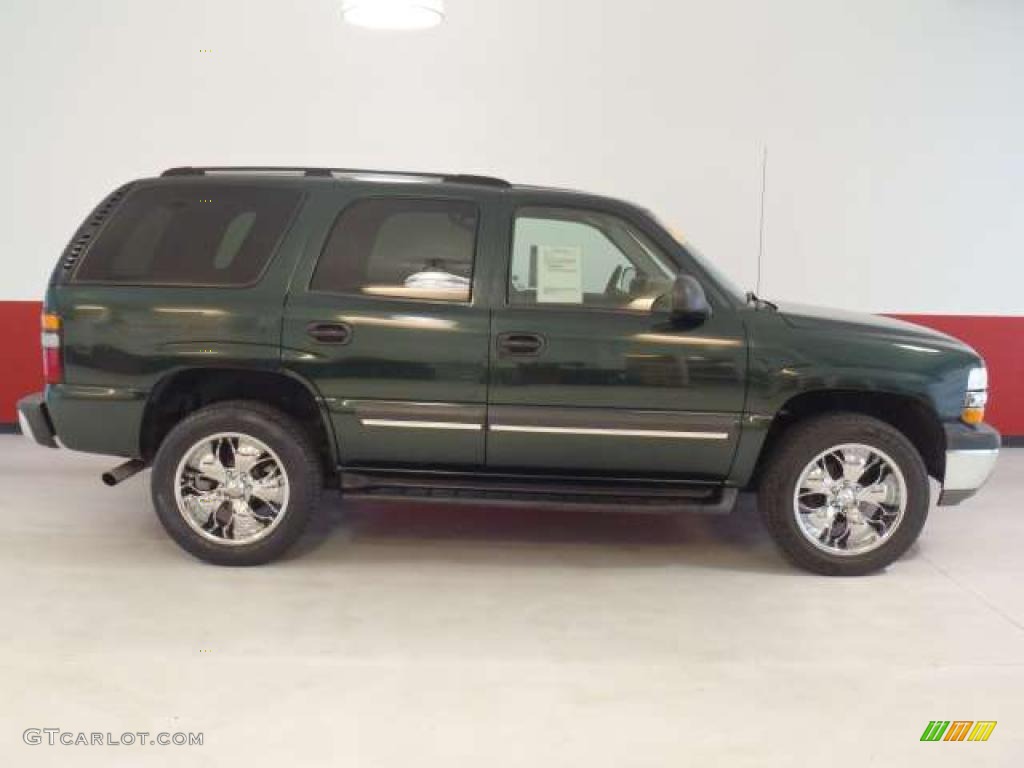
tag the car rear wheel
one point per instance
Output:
(845, 494)
(235, 483)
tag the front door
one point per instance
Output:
(587, 376)
(384, 319)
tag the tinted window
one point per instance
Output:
(191, 234)
(418, 249)
(584, 258)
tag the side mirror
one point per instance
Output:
(686, 303)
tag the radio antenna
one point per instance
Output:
(760, 231)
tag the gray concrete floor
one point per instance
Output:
(451, 636)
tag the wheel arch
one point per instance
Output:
(182, 391)
(911, 416)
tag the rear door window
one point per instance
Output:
(407, 248)
(191, 234)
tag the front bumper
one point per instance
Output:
(35, 421)
(971, 453)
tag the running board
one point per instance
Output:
(623, 496)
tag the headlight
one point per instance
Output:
(977, 379)
(976, 396)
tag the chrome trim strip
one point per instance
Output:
(613, 432)
(413, 424)
(968, 470)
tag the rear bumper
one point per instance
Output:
(35, 421)
(971, 453)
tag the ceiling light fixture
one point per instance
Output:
(393, 14)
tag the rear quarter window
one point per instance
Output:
(190, 234)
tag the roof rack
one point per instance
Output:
(448, 178)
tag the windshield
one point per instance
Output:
(723, 280)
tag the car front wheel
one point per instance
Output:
(844, 494)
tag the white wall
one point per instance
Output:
(895, 128)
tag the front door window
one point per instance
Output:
(584, 259)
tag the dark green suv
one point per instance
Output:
(257, 334)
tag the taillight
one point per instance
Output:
(53, 359)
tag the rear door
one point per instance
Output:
(386, 318)
(586, 375)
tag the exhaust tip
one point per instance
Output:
(122, 472)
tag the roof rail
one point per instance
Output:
(449, 178)
(470, 178)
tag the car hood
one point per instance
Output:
(828, 319)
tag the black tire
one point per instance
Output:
(797, 448)
(283, 435)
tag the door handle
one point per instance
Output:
(520, 344)
(330, 333)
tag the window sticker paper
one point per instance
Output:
(559, 274)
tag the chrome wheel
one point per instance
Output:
(850, 499)
(231, 489)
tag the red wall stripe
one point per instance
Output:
(1000, 340)
(21, 362)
